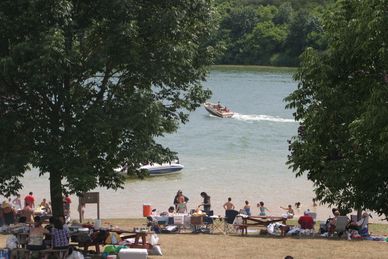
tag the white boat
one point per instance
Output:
(155, 169)
(162, 169)
(218, 110)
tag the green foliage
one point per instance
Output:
(341, 103)
(297, 23)
(87, 85)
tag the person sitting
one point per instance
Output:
(21, 226)
(290, 212)
(361, 225)
(8, 213)
(45, 206)
(60, 235)
(332, 222)
(171, 211)
(37, 232)
(306, 221)
(262, 209)
(247, 208)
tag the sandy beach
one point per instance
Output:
(217, 245)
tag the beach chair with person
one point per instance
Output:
(341, 224)
(230, 216)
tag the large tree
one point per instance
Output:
(86, 86)
(341, 102)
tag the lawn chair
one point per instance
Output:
(230, 215)
(341, 225)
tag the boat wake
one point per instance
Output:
(255, 117)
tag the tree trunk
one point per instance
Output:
(56, 194)
(359, 214)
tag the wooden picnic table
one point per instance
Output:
(254, 221)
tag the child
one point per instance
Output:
(247, 208)
(262, 209)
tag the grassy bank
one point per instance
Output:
(217, 245)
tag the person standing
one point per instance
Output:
(81, 210)
(28, 212)
(17, 203)
(229, 205)
(178, 196)
(206, 202)
(30, 199)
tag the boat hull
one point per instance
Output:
(211, 108)
(157, 170)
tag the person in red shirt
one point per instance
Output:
(66, 204)
(30, 200)
(306, 221)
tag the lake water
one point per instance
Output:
(242, 157)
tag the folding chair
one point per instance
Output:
(230, 215)
(341, 224)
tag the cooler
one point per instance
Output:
(147, 210)
(133, 253)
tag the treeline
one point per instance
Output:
(268, 32)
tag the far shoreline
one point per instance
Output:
(256, 68)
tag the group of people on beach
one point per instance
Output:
(12, 209)
(180, 206)
(180, 203)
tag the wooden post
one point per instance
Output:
(90, 197)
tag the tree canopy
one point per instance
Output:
(341, 103)
(86, 86)
(261, 32)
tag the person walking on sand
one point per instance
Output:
(262, 209)
(229, 205)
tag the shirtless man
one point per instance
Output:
(229, 205)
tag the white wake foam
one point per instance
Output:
(255, 117)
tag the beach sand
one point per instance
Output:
(217, 245)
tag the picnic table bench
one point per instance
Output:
(255, 221)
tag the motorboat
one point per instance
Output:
(218, 110)
(155, 169)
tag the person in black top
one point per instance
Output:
(206, 202)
